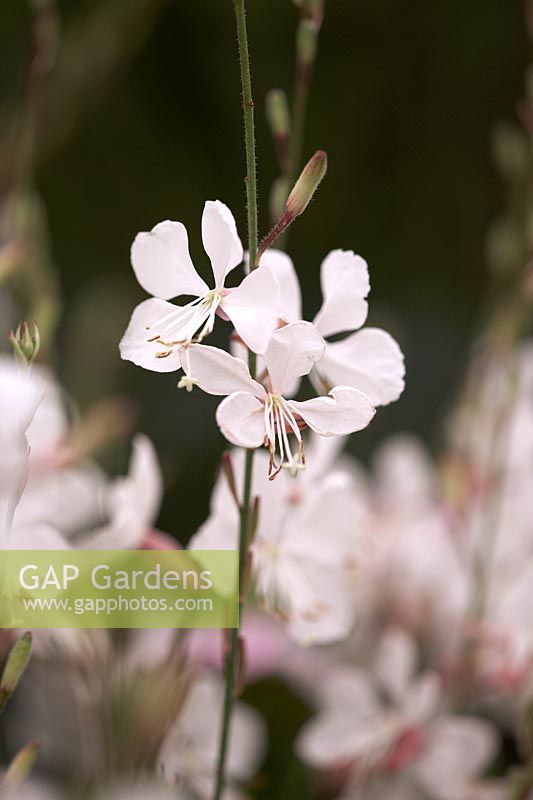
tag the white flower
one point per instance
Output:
(370, 359)
(158, 330)
(252, 415)
(307, 532)
(188, 756)
(404, 735)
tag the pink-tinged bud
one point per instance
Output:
(25, 343)
(511, 151)
(277, 111)
(20, 767)
(17, 662)
(312, 8)
(298, 200)
(306, 42)
(307, 184)
(229, 472)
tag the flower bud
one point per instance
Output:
(311, 8)
(510, 151)
(307, 184)
(505, 248)
(298, 200)
(306, 42)
(229, 472)
(20, 767)
(277, 111)
(25, 344)
(17, 662)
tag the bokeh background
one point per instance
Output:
(144, 124)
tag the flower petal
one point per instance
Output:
(281, 266)
(292, 352)
(344, 410)
(345, 285)
(217, 372)
(458, 749)
(395, 663)
(253, 307)
(240, 418)
(162, 263)
(221, 240)
(369, 360)
(135, 345)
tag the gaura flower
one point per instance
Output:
(159, 332)
(389, 724)
(369, 359)
(253, 415)
(302, 549)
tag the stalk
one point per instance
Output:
(244, 519)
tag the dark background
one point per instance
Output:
(404, 98)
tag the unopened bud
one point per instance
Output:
(277, 111)
(505, 248)
(17, 662)
(20, 767)
(312, 8)
(26, 344)
(307, 184)
(306, 42)
(298, 200)
(510, 150)
(229, 472)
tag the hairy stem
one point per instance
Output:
(244, 519)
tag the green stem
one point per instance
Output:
(302, 87)
(244, 518)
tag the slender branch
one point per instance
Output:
(244, 519)
(306, 46)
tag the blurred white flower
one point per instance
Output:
(389, 723)
(159, 331)
(370, 359)
(188, 757)
(253, 415)
(306, 538)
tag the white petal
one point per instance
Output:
(281, 266)
(292, 352)
(162, 263)
(217, 372)
(221, 240)
(344, 410)
(458, 749)
(323, 608)
(422, 697)
(135, 346)
(218, 532)
(253, 307)
(132, 503)
(240, 418)
(140, 493)
(369, 360)
(345, 285)
(395, 663)
(32, 537)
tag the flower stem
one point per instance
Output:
(244, 517)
